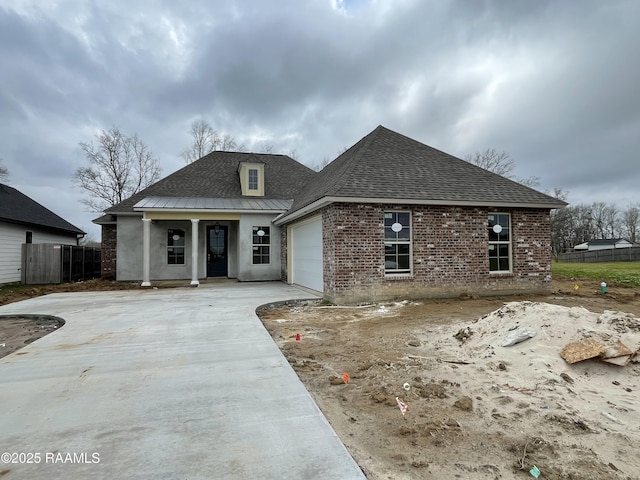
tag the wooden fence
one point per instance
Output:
(612, 255)
(45, 263)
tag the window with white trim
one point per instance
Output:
(253, 178)
(499, 226)
(175, 246)
(261, 245)
(397, 243)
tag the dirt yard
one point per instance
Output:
(475, 409)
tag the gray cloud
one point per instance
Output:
(553, 83)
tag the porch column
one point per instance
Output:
(146, 246)
(194, 251)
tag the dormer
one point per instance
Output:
(251, 179)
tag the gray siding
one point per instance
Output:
(12, 236)
(248, 271)
(240, 263)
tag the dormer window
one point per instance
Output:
(251, 179)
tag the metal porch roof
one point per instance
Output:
(198, 203)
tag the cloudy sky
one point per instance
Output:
(553, 83)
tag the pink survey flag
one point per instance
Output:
(402, 406)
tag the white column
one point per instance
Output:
(146, 246)
(194, 251)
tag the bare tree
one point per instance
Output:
(323, 163)
(204, 138)
(612, 220)
(500, 163)
(266, 148)
(560, 224)
(119, 167)
(581, 223)
(4, 173)
(207, 140)
(293, 153)
(89, 241)
(326, 160)
(631, 222)
(494, 161)
(598, 214)
(228, 144)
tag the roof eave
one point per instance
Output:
(324, 201)
(125, 214)
(75, 231)
(209, 210)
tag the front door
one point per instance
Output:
(217, 251)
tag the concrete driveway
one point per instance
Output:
(169, 383)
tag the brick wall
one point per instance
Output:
(109, 251)
(450, 253)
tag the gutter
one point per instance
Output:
(324, 201)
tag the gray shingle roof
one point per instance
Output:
(16, 207)
(216, 176)
(388, 165)
(605, 241)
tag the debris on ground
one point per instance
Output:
(584, 349)
(463, 334)
(588, 348)
(517, 336)
(470, 399)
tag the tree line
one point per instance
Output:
(576, 224)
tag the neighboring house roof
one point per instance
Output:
(215, 176)
(387, 166)
(16, 207)
(606, 242)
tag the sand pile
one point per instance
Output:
(595, 396)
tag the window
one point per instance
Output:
(28, 237)
(499, 242)
(397, 242)
(175, 247)
(261, 241)
(253, 179)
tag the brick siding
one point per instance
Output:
(450, 253)
(109, 251)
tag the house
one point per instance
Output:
(212, 218)
(389, 218)
(23, 220)
(604, 244)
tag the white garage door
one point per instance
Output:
(306, 254)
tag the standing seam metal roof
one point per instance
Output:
(192, 203)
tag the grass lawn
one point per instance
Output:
(610, 272)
